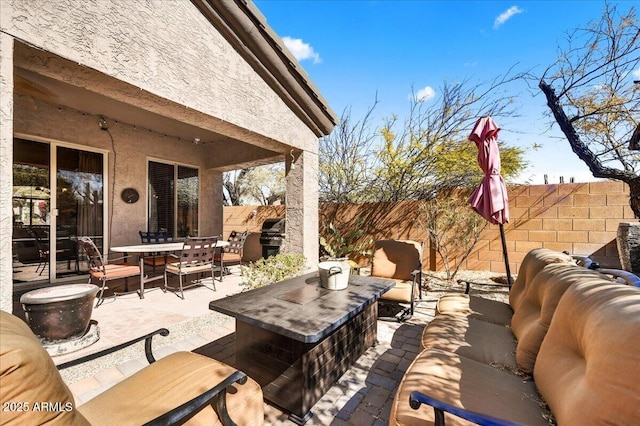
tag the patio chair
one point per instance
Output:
(154, 259)
(196, 257)
(400, 260)
(232, 254)
(67, 249)
(104, 272)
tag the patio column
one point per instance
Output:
(6, 171)
(211, 204)
(302, 205)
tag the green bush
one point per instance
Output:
(336, 244)
(271, 270)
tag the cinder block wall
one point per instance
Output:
(581, 218)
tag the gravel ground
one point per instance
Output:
(492, 284)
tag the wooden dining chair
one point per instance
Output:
(103, 272)
(400, 260)
(196, 257)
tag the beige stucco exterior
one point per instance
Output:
(161, 74)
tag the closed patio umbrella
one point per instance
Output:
(490, 198)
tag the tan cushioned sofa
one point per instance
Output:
(495, 311)
(587, 369)
(514, 347)
(29, 380)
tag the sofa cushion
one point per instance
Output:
(396, 259)
(400, 292)
(467, 384)
(588, 367)
(482, 341)
(499, 312)
(534, 261)
(538, 303)
(475, 307)
(29, 380)
(168, 383)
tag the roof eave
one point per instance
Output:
(246, 29)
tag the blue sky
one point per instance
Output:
(355, 49)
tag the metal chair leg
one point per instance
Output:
(181, 290)
(100, 295)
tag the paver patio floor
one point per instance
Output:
(362, 396)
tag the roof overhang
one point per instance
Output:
(246, 29)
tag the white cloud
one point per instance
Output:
(300, 49)
(636, 74)
(425, 94)
(506, 15)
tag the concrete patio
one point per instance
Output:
(363, 395)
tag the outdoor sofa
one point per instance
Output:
(183, 387)
(571, 343)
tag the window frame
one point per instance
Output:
(176, 165)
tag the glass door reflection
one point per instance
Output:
(31, 210)
(80, 201)
(45, 245)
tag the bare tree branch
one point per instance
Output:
(592, 97)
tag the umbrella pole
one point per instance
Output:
(506, 256)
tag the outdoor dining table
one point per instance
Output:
(158, 248)
(296, 338)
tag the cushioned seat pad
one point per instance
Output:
(498, 312)
(482, 341)
(28, 375)
(228, 257)
(168, 383)
(468, 384)
(479, 308)
(114, 270)
(401, 292)
(187, 269)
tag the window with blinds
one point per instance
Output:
(173, 199)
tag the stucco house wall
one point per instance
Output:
(166, 48)
(128, 154)
(162, 74)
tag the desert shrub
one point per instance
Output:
(340, 244)
(271, 270)
(454, 229)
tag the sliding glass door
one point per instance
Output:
(45, 227)
(31, 210)
(80, 205)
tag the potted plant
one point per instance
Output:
(338, 245)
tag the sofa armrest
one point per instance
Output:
(584, 261)
(147, 350)
(628, 277)
(216, 395)
(418, 398)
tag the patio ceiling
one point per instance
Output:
(94, 93)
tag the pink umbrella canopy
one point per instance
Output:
(490, 198)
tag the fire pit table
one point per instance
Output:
(296, 338)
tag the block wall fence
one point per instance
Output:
(581, 218)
